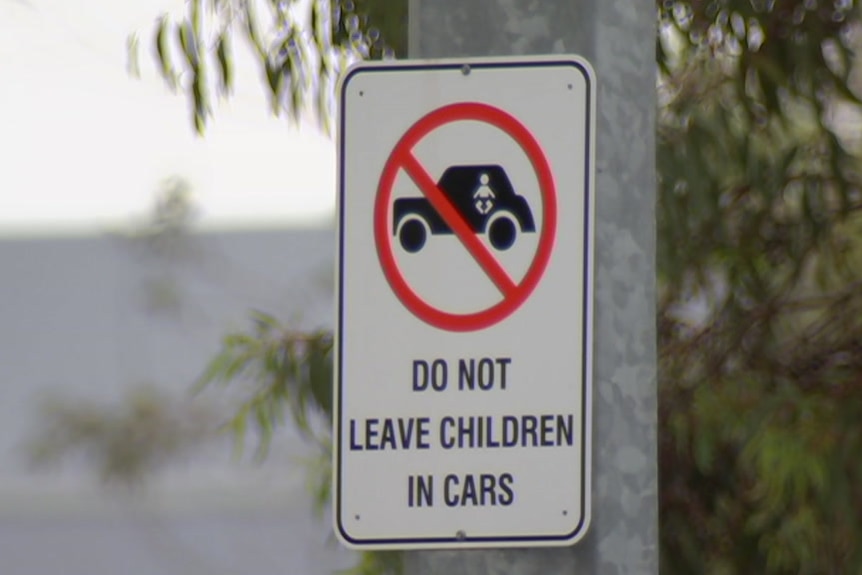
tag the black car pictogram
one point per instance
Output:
(484, 197)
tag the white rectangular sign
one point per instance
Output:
(464, 273)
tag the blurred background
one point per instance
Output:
(167, 186)
(129, 247)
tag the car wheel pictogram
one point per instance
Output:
(413, 234)
(502, 232)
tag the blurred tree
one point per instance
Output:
(166, 235)
(149, 427)
(759, 258)
(300, 51)
(125, 442)
(760, 312)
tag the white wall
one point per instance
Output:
(77, 317)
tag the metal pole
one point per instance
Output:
(618, 38)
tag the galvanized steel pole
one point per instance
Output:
(618, 38)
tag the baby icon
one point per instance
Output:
(484, 196)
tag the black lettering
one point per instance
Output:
(371, 433)
(529, 423)
(388, 435)
(469, 492)
(405, 431)
(503, 362)
(422, 433)
(420, 491)
(510, 431)
(486, 431)
(484, 489)
(508, 495)
(488, 495)
(465, 430)
(486, 373)
(565, 424)
(354, 446)
(439, 374)
(420, 384)
(410, 491)
(446, 440)
(492, 441)
(547, 430)
(425, 490)
(450, 498)
(466, 374)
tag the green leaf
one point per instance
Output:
(215, 370)
(163, 52)
(186, 39)
(238, 427)
(133, 64)
(225, 66)
(264, 321)
(251, 30)
(195, 17)
(275, 79)
(264, 425)
(320, 378)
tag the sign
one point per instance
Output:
(463, 335)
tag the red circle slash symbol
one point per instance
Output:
(402, 157)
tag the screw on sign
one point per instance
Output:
(466, 201)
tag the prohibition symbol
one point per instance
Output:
(402, 157)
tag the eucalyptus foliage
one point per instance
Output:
(760, 311)
(759, 259)
(300, 52)
(126, 442)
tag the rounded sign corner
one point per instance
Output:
(344, 537)
(357, 68)
(347, 75)
(582, 64)
(580, 531)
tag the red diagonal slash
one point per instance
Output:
(458, 224)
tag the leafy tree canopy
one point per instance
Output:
(300, 52)
(760, 312)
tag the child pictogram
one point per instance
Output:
(492, 207)
(484, 195)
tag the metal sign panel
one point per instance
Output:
(463, 330)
